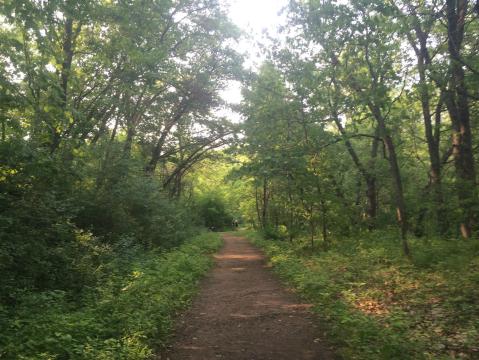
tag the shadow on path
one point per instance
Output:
(243, 312)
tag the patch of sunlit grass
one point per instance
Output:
(422, 308)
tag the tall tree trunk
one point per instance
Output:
(371, 189)
(312, 227)
(433, 149)
(370, 179)
(432, 135)
(67, 60)
(156, 153)
(324, 224)
(264, 214)
(324, 210)
(258, 211)
(107, 159)
(68, 50)
(456, 98)
(131, 125)
(130, 135)
(371, 196)
(4, 126)
(291, 212)
(401, 213)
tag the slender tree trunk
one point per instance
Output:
(4, 126)
(130, 134)
(456, 98)
(401, 213)
(371, 195)
(432, 137)
(370, 179)
(291, 213)
(178, 186)
(103, 127)
(67, 59)
(106, 161)
(67, 49)
(258, 212)
(265, 204)
(156, 154)
(323, 209)
(357, 202)
(324, 223)
(312, 225)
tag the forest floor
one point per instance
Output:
(243, 312)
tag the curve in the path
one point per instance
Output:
(243, 313)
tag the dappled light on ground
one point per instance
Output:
(243, 313)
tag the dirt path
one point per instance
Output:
(243, 312)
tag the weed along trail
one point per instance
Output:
(243, 312)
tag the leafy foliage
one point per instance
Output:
(339, 140)
(363, 117)
(107, 108)
(362, 287)
(127, 315)
(212, 211)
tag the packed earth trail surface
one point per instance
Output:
(243, 312)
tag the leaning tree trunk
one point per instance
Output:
(401, 213)
(370, 178)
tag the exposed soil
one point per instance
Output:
(243, 312)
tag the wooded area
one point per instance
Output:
(369, 112)
(361, 126)
(105, 107)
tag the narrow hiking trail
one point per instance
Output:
(243, 312)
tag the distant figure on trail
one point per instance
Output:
(235, 224)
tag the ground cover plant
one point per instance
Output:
(375, 304)
(127, 316)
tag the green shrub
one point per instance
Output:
(128, 317)
(49, 205)
(376, 304)
(212, 211)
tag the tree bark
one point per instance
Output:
(401, 213)
(265, 203)
(130, 135)
(432, 137)
(324, 224)
(456, 98)
(370, 179)
(68, 46)
(258, 212)
(432, 134)
(156, 153)
(4, 126)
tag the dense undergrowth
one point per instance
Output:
(376, 304)
(127, 315)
